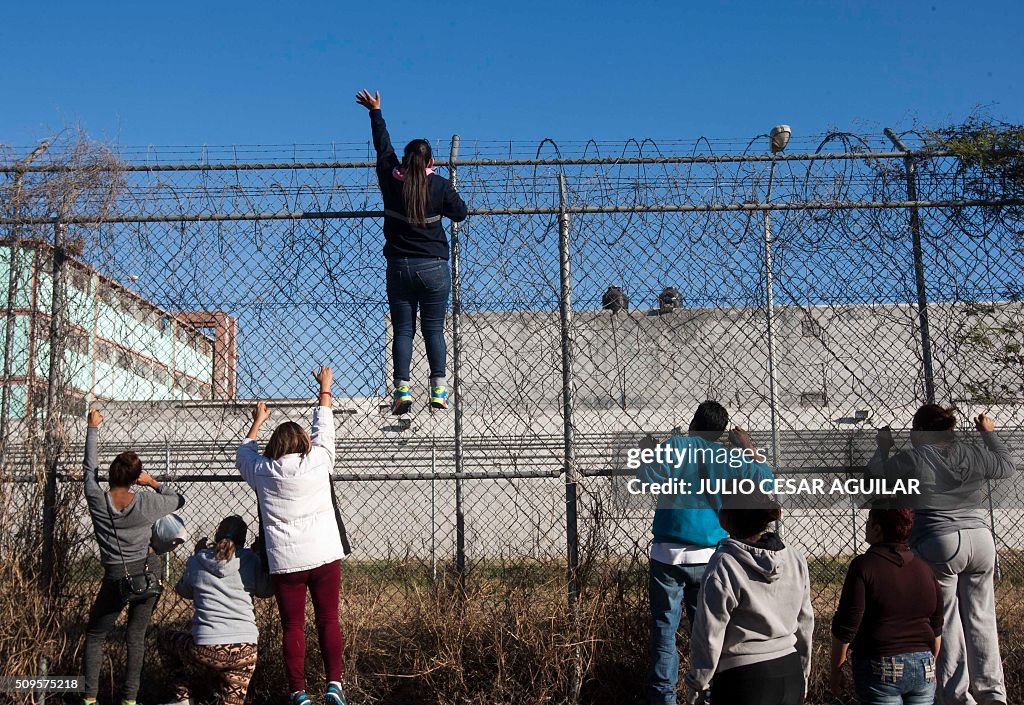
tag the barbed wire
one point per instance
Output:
(186, 292)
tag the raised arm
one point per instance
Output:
(386, 157)
(323, 418)
(248, 455)
(753, 468)
(653, 472)
(91, 463)
(883, 464)
(997, 460)
(454, 207)
(165, 501)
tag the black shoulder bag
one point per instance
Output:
(139, 587)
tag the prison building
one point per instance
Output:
(842, 370)
(118, 346)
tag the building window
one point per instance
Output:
(813, 399)
(810, 328)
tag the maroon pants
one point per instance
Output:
(324, 585)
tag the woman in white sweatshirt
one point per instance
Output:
(292, 479)
(753, 626)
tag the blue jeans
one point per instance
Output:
(904, 679)
(671, 589)
(423, 283)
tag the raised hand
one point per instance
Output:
(740, 438)
(325, 377)
(984, 423)
(95, 418)
(884, 439)
(260, 413)
(370, 102)
(648, 442)
(147, 480)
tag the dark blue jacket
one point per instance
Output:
(401, 238)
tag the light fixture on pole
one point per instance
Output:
(778, 139)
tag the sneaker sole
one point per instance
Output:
(438, 405)
(402, 408)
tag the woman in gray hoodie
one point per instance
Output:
(951, 533)
(753, 626)
(220, 582)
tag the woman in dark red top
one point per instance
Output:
(891, 612)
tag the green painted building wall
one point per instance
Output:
(118, 346)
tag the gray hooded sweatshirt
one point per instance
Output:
(754, 606)
(954, 482)
(220, 593)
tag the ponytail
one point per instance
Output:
(225, 549)
(230, 536)
(414, 190)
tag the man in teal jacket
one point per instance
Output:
(695, 468)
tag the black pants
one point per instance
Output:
(776, 682)
(105, 611)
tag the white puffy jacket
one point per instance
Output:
(299, 524)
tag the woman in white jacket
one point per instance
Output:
(292, 479)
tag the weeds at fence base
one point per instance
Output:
(507, 640)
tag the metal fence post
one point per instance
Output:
(55, 396)
(433, 510)
(919, 282)
(167, 474)
(769, 284)
(460, 516)
(571, 470)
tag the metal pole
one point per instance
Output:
(55, 395)
(167, 473)
(571, 470)
(460, 516)
(770, 315)
(43, 670)
(12, 296)
(433, 512)
(919, 282)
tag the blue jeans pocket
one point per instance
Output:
(434, 277)
(887, 669)
(928, 665)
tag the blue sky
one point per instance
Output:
(189, 73)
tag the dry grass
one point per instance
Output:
(507, 641)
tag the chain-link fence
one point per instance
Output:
(600, 292)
